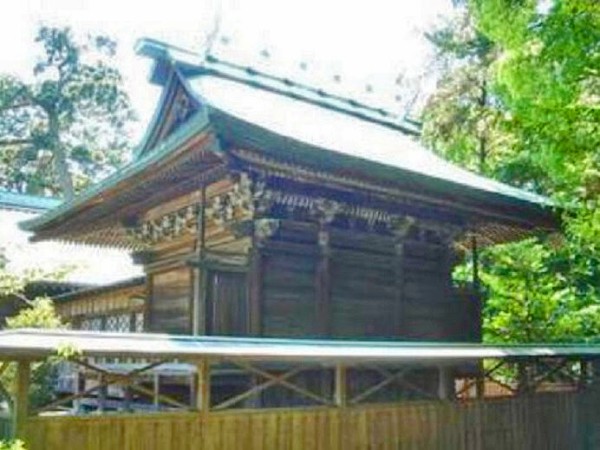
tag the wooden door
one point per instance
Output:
(227, 304)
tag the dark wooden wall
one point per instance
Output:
(169, 309)
(378, 287)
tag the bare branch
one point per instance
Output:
(11, 142)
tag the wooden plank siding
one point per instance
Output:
(169, 309)
(361, 287)
(289, 295)
(550, 421)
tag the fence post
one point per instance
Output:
(340, 400)
(203, 389)
(21, 400)
(341, 395)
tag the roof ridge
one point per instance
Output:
(303, 92)
(193, 63)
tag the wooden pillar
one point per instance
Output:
(522, 377)
(199, 275)
(400, 229)
(127, 396)
(475, 263)
(255, 291)
(203, 389)
(77, 390)
(584, 366)
(263, 229)
(445, 383)
(156, 391)
(480, 383)
(102, 394)
(341, 386)
(21, 401)
(199, 320)
(323, 284)
(399, 307)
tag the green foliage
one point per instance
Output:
(41, 314)
(12, 445)
(36, 313)
(69, 125)
(537, 126)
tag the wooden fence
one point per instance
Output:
(548, 421)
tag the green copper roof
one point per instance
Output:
(340, 140)
(290, 122)
(193, 126)
(26, 202)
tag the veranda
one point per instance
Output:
(551, 405)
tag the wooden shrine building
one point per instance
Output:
(262, 207)
(259, 206)
(298, 249)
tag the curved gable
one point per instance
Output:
(175, 106)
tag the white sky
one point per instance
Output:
(88, 265)
(363, 42)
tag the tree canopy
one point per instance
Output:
(519, 100)
(68, 125)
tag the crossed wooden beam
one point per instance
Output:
(531, 375)
(283, 378)
(575, 371)
(107, 378)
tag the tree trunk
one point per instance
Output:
(61, 166)
(482, 150)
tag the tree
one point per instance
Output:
(539, 126)
(36, 313)
(68, 126)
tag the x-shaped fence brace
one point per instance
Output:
(284, 379)
(281, 379)
(390, 377)
(532, 373)
(107, 378)
(530, 382)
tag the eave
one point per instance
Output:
(191, 150)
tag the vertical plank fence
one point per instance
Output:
(544, 421)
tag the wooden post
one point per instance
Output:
(341, 386)
(156, 390)
(400, 229)
(21, 401)
(340, 400)
(475, 262)
(445, 383)
(77, 390)
(203, 389)
(193, 385)
(584, 374)
(399, 307)
(522, 378)
(199, 275)
(323, 285)
(480, 383)
(127, 396)
(255, 290)
(102, 395)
